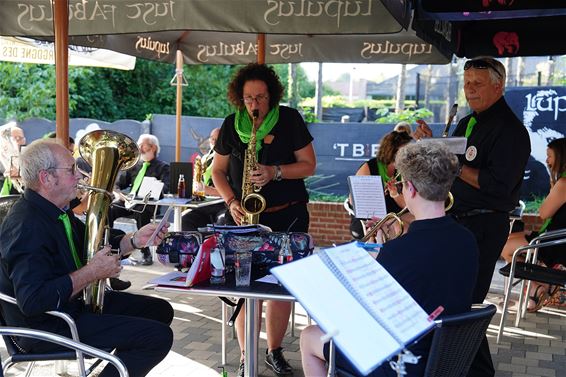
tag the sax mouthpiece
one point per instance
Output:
(255, 113)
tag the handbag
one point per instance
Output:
(179, 249)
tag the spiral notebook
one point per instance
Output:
(353, 298)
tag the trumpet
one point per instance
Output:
(396, 218)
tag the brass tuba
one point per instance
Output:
(396, 217)
(107, 152)
(252, 202)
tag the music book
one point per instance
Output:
(456, 144)
(368, 198)
(370, 316)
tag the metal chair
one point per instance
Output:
(528, 270)
(19, 355)
(455, 342)
(8, 332)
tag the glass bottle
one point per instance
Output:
(181, 192)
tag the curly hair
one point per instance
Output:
(251, 72)
(430, 166)
(558, 146)
(390, 144)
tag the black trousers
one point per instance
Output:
(136, 326)
(491, 231)
(200, 217)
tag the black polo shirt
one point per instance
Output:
(287, 136)
(499, 147)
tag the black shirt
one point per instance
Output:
(36, 260)
(156, 168)
(288, 135)
(499, 147)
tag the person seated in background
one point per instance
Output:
(44, 266)
(553, 211)
(403, 127)
(384, 165)
(422, 260)
(200, 217)
(11, 146)
(149, 166)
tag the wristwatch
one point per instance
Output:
(278, 175)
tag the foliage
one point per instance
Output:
(409, 115)
(308, 115)
(532, 206)
(27, 90)
(316, 196)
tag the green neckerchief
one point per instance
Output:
(6, 187)
(471, 123)
(382, 169)
(549, 220)
(207, 176)
(64, 217)
(243, 124)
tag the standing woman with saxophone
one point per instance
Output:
(284, 157)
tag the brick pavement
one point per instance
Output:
(537, 349)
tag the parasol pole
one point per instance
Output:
(261, 48)
(61, 31)
(179, 109)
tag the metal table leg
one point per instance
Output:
(250, 357)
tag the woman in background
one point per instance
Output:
(383, 164)
(553, 212)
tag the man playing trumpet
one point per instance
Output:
(423, 260)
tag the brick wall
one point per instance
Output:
(330, 223)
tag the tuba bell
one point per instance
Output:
(107, 152)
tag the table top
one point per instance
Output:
(185, 203)
(256, 290)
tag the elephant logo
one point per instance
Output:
(506, 42)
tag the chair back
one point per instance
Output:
(456, 341)
(6, 202)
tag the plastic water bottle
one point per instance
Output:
(217, 271)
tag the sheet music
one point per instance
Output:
(368, 198)
(362, 339)
(380, 292)
(150, 185)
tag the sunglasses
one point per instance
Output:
(482, 64)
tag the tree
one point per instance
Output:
(26, 91)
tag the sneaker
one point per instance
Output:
(276, 361)
(119, 285)
(241, 369)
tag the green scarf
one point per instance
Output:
(382, 169)
(549, 220)
(243, 124)
(6, 187)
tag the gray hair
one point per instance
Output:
(38, 156)
(153, 140)
(496, 70)
(430, 166)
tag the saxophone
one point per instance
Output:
(252, 202)
(107, 152)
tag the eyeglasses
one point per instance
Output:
(482, 64)
(259, 98)
(72, 169)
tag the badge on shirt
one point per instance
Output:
(268, 139)
(471, 153)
